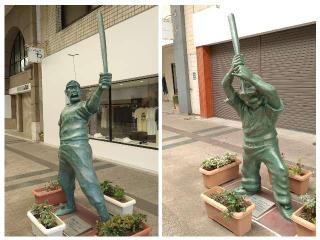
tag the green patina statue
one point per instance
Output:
(75, 154)
(258, 105)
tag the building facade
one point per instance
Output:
(281, 51)
(125, 129)
(22, 78)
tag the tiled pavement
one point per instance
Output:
(29, 165)
(187, 140)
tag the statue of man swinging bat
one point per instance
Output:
(258, 106)
(75, 154)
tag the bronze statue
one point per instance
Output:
(75, 153)
(258, 105)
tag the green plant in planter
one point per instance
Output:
(233, 201)
(115, 192)
(309, 208)
(121, 225)
(296, 169)
(52, 185)
(218, 161)
(43, 212)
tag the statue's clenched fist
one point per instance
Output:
(105, 80)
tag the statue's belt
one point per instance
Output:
(74, 142)
(260, 143)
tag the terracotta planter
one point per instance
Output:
(39, 230)
(303, 227)
(297, 184)
(238, 223)
(220, 175)
(116, 207)
(144, 232)
(54, 197)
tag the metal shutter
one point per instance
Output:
(286, 59)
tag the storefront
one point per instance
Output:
(125, 130)
(131, 117)
(22, 77)
(281, 51)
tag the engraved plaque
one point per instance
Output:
(262, 205)
(75, 226)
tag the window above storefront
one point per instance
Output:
(18, 59)
(72, 13)
(128, 113)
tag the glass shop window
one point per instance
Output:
(18, 59)
(135, 112)
(132, 115)
(72, 13)
(98, 124)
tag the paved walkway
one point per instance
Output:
(30, 165)
(187, 141)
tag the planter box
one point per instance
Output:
(303, 227)
(220, 175)
(39, 230)
(238, 223)
(297, 184)
(120, 208)
(54, 197)
(144, 232)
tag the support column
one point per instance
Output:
(180, 58)
(35, 109)
(19, 113)
(205, 81)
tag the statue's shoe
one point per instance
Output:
(105, 218)
(242, 191)
(286, 211)
(63, 210)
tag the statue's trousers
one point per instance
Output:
(267, 153)
(76, 162)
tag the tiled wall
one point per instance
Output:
(55, 38)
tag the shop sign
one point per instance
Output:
(167, 31)
(35, 55)
(20, 89)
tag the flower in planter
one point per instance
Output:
(233, 201)
(218, 161)
(121, 225)
(52, 185)
(296, 169)
(309, 208)
(43, 212)
(115, 192)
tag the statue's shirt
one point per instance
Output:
(258, 124)
(74, 122)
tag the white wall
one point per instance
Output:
(7, 102)
(211, 26)
(132, 52)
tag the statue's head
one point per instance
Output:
(73, 91)
(248, 93)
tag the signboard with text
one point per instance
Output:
(35, 55)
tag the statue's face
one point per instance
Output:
(73, 92)
(248, 93)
